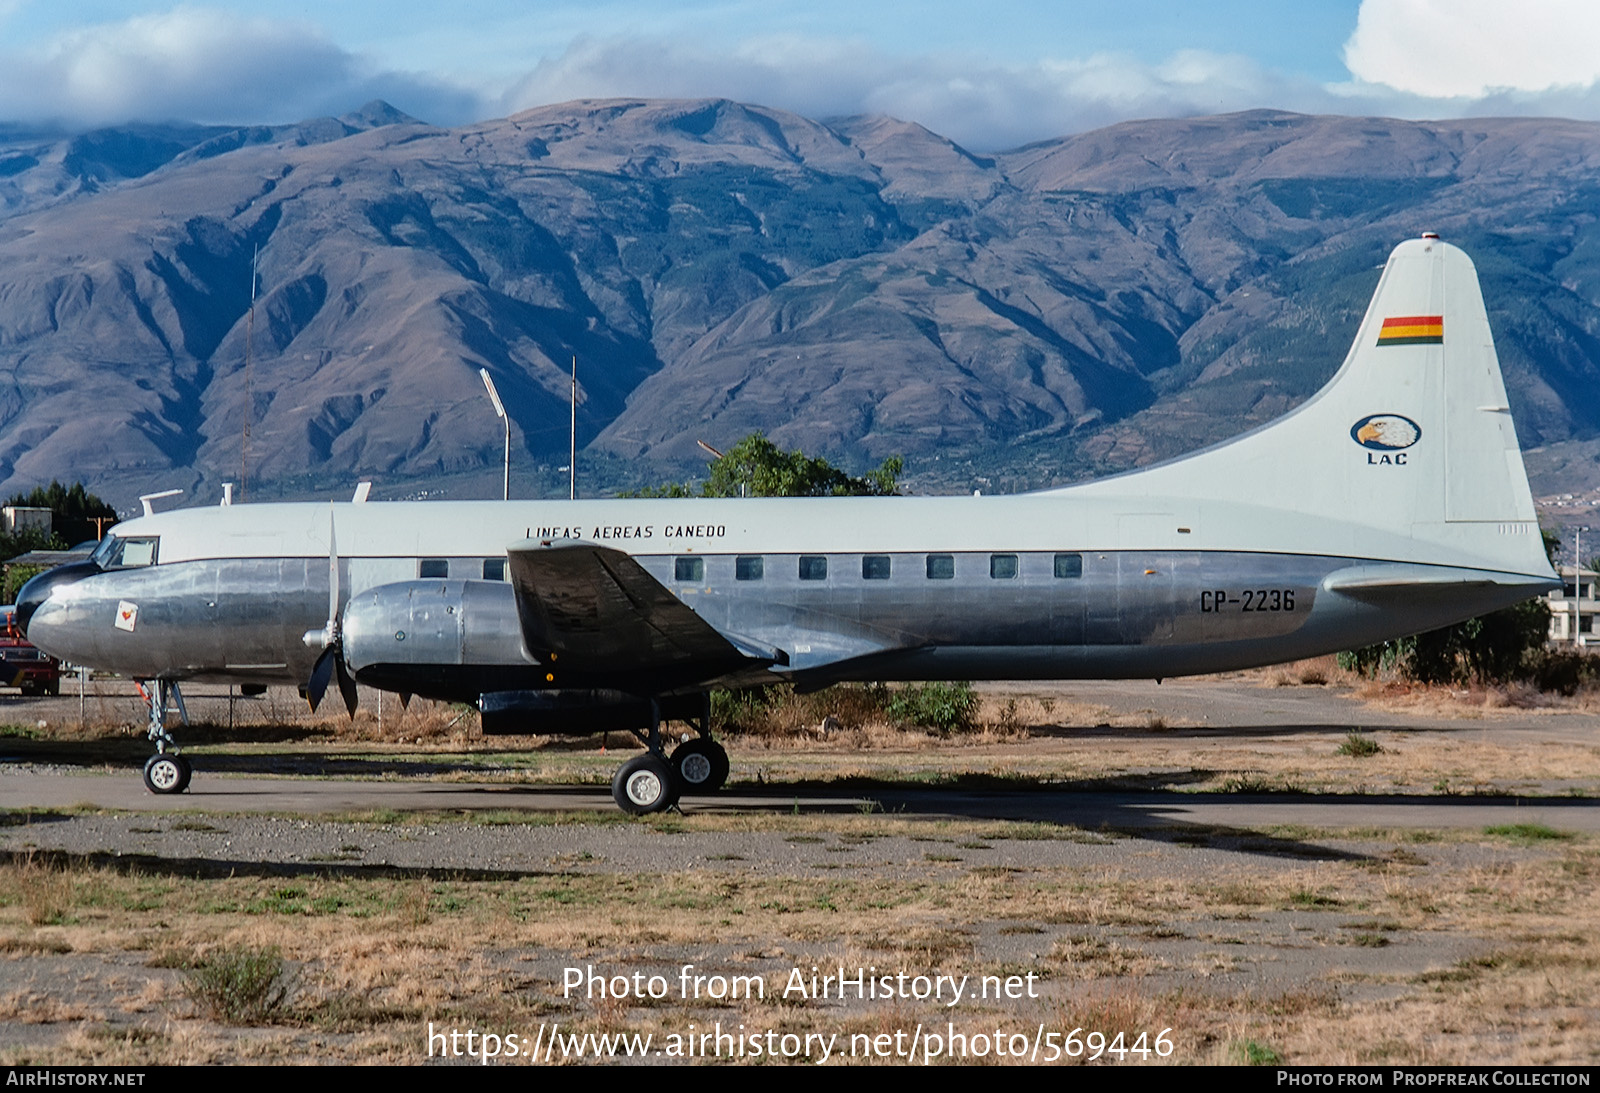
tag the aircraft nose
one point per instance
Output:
(34, 593)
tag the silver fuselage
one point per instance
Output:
(1038, 602)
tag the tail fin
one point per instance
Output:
(1412, 438)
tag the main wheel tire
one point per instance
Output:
(702, 765)
(167, 773)
(644, 785)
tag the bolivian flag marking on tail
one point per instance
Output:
(1412, 330)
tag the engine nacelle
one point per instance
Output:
(441, 638)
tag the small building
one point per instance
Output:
(1574, 610)
(27, 518)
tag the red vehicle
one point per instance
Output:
(23, 665)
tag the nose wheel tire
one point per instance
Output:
(167, 773)
(645, 785)
(702, 765)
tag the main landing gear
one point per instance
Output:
(653, 782)
(166, 771)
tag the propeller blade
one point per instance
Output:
(347, 686)
(331, 662)
(333, 577)
(317, 685)
(405, 700)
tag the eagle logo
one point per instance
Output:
(1385, 432)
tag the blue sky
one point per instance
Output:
(991, 76)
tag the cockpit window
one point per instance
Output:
(116, 552)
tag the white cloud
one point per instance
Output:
(1409, 58)
(983, 105)
(1470, 48)
(197, 64)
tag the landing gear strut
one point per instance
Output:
(166, 771)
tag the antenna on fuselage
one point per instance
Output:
(148, 500)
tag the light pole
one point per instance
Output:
(572, 437)
(1577, 589)
(499, 408)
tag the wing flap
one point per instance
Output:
(588, 608)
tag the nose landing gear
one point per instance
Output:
(166, 771)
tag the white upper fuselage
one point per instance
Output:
(1071, 519)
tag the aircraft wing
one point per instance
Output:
(586, 608)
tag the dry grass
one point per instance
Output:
(43, 889)
(376, 967)
(113, 709)
(1316, 672)
(1021, 738)
(382, 956)
(1123, 946)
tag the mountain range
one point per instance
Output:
(856, 287)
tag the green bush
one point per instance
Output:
(1500, 647)
(946, 708)
(241, 985)
(1359, 747)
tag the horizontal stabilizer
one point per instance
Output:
(1391, 585)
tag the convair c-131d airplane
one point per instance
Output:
(1393, 501)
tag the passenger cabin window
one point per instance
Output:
(941, 567)
(1069, 565)
(813, 567)
(494, 569)
(129, 553)
(747, 568)
(1003, 567)
(875, 567)
(689, 569)
(433, 567)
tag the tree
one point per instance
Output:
(756, 467)
(1493, 648)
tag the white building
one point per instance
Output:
(26, 518)
(1574, 610)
